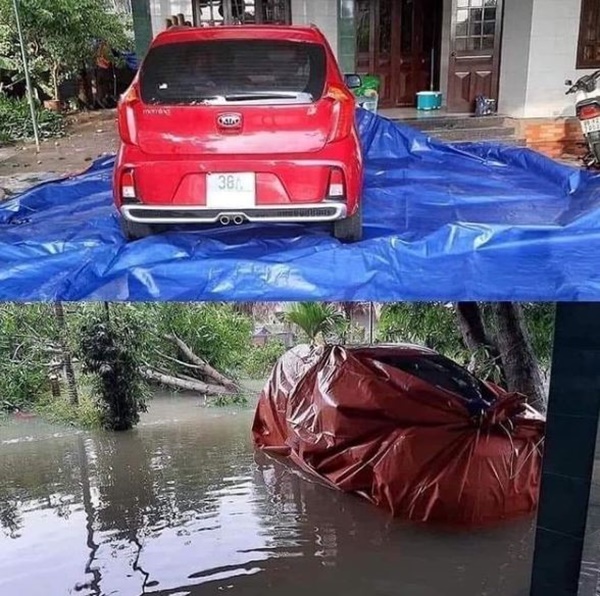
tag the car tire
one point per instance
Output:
(349, 229)
(133, 230)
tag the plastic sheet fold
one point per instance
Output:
(415, 448)
(468, 222)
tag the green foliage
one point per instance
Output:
(16, 125)
(110, 351)
(261, 359)
(317, 320)
(86, 414)
(214, 331)
(429, 324)
(19, 385)
(540, 324)
(235, 399)
(23, 370)
(60, 37)
(434, 325)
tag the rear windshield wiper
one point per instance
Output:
(252, 96)
(263, 95)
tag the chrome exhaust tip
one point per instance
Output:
(224, 220)
(238, 219)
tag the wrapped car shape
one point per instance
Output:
(405, 428)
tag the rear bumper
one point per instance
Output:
(326, 211)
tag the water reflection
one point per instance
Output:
(182, 506)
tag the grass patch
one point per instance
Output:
(86, 414)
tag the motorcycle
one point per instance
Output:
(587, 108)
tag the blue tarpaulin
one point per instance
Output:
(469, 222)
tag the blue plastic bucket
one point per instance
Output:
(429, 100)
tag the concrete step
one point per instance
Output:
(474, 134)
(510, 142)
(427, 123)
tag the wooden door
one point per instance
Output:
(374, 43)
(474, 52)
(416, 42)
(395, 39)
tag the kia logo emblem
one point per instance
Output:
(230, 120)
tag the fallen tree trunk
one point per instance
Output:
(178, 383)
(204, 367)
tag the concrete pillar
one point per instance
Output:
(346, 41)
(514, 62)
(322, 13)
(142, 26)
(568, 525)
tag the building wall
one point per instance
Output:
(552, 58)
(322, 13)
(514, 62)
(346, 42)
(555, 137)
(539, 52)
(160, 10)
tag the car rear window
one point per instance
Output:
(188, 73)
(443, 372)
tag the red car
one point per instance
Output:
(405, 428)
(239, 124)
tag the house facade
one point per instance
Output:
(519, 52)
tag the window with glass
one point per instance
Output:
(191, 73)
(475, 25)
(588, 49)
(242, 12)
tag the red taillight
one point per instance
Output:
(343, 112)
(130, 96)
(588, 112)
(126, 115)
(127, 186)
(337, 184)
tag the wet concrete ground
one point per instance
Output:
(89, 135)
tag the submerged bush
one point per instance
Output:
(235, 399)
(16, 125)
(84, 414)
(110, 353)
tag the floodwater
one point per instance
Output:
(183, 506)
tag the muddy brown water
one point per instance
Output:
(183, 506)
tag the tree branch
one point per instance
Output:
(179, 383)
(202, 365)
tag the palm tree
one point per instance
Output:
(315, 319)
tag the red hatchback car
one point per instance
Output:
(239, 124)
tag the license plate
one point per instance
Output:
(591, 125)
(231, 191)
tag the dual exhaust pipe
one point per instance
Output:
(225, 220)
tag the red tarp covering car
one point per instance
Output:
(407, 429)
